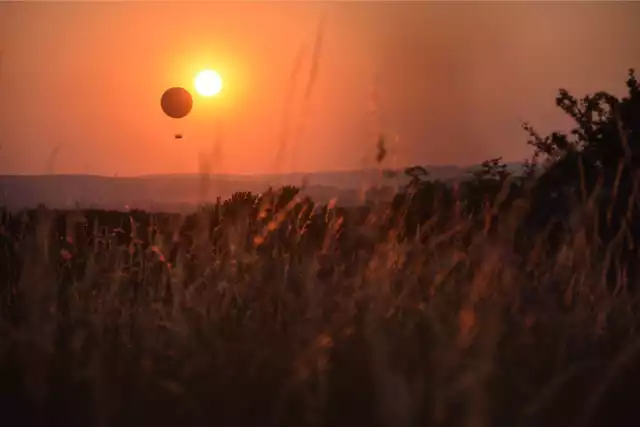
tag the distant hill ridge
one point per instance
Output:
(181, 191)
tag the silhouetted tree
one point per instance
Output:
(598, 160)
(418, 175)
(483, 186)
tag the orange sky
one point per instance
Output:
(80, 82)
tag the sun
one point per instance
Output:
(208, 83)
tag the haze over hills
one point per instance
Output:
(184, 191)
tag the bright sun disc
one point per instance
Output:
(208, 83)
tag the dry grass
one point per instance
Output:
(311, 315)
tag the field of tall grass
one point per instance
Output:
(270, 312)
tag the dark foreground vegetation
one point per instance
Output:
(504, 300)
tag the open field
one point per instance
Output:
(274, 311)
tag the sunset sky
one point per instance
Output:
(448, 83)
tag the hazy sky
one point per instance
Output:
(449, 83)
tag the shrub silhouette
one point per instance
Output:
(596, 164)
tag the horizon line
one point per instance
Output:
(245, 175)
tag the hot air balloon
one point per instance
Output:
(176, 102)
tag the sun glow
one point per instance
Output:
(208, 83)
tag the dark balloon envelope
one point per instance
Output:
(176, 102)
